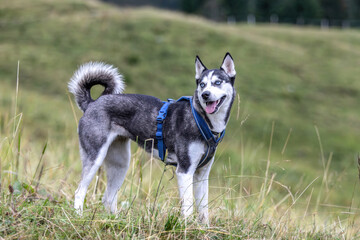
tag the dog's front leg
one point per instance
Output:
(185, 182)
(201, 189)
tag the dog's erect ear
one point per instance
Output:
(228, 65)
(199, 68)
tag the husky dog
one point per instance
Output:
(112, 120)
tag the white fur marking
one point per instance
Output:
(207, 79)
(196, 150)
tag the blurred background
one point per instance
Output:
(325, 13)
(295, 119)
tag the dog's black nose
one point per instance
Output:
(205, 95)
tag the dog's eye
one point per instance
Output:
(217, 82)
(202, 85)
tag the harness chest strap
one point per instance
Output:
(211, 140)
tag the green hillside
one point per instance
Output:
(295, 79)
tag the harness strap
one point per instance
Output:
(210, 152)
(211, 140)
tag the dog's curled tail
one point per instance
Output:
(94, 73)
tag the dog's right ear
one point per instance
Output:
(199, 68)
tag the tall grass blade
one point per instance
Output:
(264, 186)
(321, 147)
(39, 162)
(73, 109)
(286, 141)
(16, 96)
(324, 182)
(18, 157)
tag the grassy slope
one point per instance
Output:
(295, 77)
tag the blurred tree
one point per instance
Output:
(212, 9)
(191, 6)
(291, 10)
(167, 4)
(264, 9)
(236, 8)
(334, 9)
(209, 8)
(353, 7)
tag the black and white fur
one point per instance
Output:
(112, 120)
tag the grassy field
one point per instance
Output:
(287, 167)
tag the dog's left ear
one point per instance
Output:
(228, 66)
(199, 68)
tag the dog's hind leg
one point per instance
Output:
(116, 163)
(201, 189)
(90, 167)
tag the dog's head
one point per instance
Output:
(215, 87)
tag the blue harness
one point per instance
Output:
(211, 139)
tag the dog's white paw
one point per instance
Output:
(78, 208)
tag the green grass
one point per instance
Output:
(298, 87)
(37, 197)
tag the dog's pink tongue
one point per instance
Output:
(210, 107)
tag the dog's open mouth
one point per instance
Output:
(213, 107)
